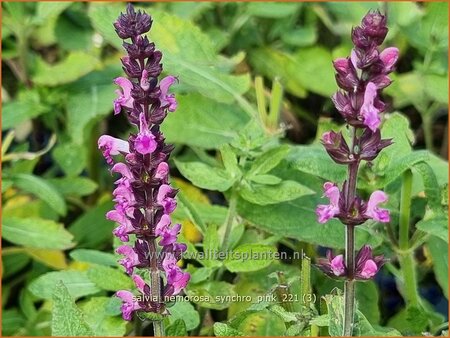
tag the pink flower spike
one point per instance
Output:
(145, 141)
(369, 270)
(324, 212)
(167, 99)
(124, 97)
(373, 211)
(368, 110)
(112, 146)
(337, 265)
(129, 304)
(389, 57)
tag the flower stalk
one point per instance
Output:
(361, 77)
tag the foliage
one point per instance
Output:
(247, 162)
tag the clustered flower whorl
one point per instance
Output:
(144, 199)
(361, 77)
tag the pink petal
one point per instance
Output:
(337, 265)
(370, 269)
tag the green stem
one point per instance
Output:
(349, 286)
(229, 220)
(155, 282)
(406, 257)
(158, 328)
(427, 124)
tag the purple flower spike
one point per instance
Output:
(143, 196)
(325, 212)
(373, 211)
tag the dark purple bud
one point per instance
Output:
(337, 147)
(374, 26)
(343, 104)
(346, 76)
(370, 144)
(381, 81)
(131, 67)
(132, 23)
(367, 265)
(365, 58)
(360, 39)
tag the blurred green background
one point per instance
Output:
(58, 63)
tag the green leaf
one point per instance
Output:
(74, 186)
(273, 10)
(399, 164)
(36, 233)
(73, 67)
(212, 295)
(268, 160)
(67, 319)
(265, 179)
(116, 280)
(197, 122)
(261, 323)
(90, 236)
(225, 330)
(102, 323)
(13, 263)
(47, 10)
(185, 311)
(308, 69)
(436, 226)
(272, 194)
(431, 185)
(12, 322)
(176, 329)
(229, 160)
(42, 189)
(297, 219)
(71, 157)
(25, 107)
(250, 257)
(77, 282)
(439, 251)
(94, 257)
(314, 160)
(205, 176)
(436, 86)
(211, 242)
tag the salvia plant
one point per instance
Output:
(361, 77)
(143, 196)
